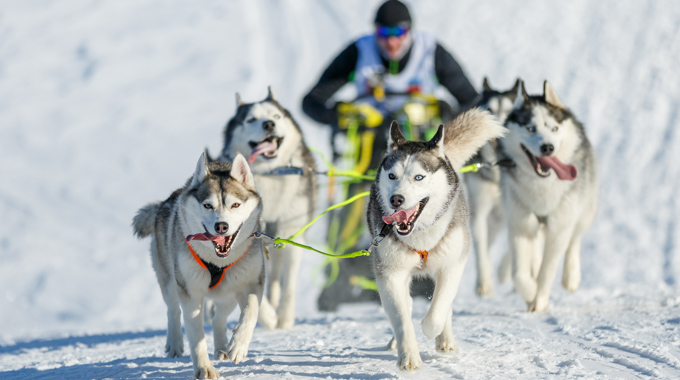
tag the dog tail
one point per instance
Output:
(467, 133)
(144, 222)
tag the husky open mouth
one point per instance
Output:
(404, 220)
(221, 243)
(543, 164)
(541, 170)
(267, 148)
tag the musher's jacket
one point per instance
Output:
(426, 65)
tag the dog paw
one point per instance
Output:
(206, 372)
(445, 344)
(431, 327)
(237, 352)
(221, 354)
(392, 345)
(409, 361)
(538, 305)
(285, 321)
(571, 281)
(485, 289)
(267, 315)
(174, 350)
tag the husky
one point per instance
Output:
(552, 187)
(203, 245)
(417, 214)
(484, 193)
(284, 172)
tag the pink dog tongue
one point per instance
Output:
(221, 240)
(263, 147)
(400, 216)
(566, 172)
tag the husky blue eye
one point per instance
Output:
(392, 176)
(531, 129)
(252, 119)
(277, 117)
(419, 177)
(208, 206)
(555, 129)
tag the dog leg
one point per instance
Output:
(537, 252)
(293, 258)
(480, 233)
(555, 247)
(445, 342)
(249, 301)
(274, 289)
(219, 325)
(505, 269)
(445, 289)
(571, 274)
(193, 324)
(394, 292)
(392, 344)
(267, 316)
(174, 344)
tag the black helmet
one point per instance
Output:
(392, 13)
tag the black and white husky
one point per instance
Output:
(484, 193)
(284, 172)
(203, 247)
(553, 188)
(417, 205)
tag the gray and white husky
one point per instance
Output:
(284, 172)
(484, 193)
(553, 187)
(203, 246)
(418, 207)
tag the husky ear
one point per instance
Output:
(270, 94)
(208, 159)
(240, 171)
(437, 141)
(485, 85)
(201, 170)
(239, 102)
(550, 96)
(522, 96)
(396, 137)
(515, 88)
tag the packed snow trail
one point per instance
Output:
(104, 107)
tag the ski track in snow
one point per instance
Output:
(105, 106)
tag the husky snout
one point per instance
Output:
(268, 125)
(396, 200)
(547, 149)
(221, 227)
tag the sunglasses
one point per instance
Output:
(392, 31)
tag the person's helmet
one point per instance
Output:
(393, 13)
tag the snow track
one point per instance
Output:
(105, 106)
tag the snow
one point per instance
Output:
(106, 106)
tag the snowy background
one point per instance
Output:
(107, 105)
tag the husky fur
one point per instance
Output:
(266, 133)
(217, 196)
(422, 176)
(553, 187)
(484, 193)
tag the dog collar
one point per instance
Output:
(386, 230)
(216, 273)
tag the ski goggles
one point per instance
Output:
(392, 31)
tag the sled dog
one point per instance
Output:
(284, 172)
(203, 246)
(418, 209)
(484, 193)
(552, 187)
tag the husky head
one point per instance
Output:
(221, 204)
(415, 182)
(264, 132)
(543, 134)
(497, 102)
